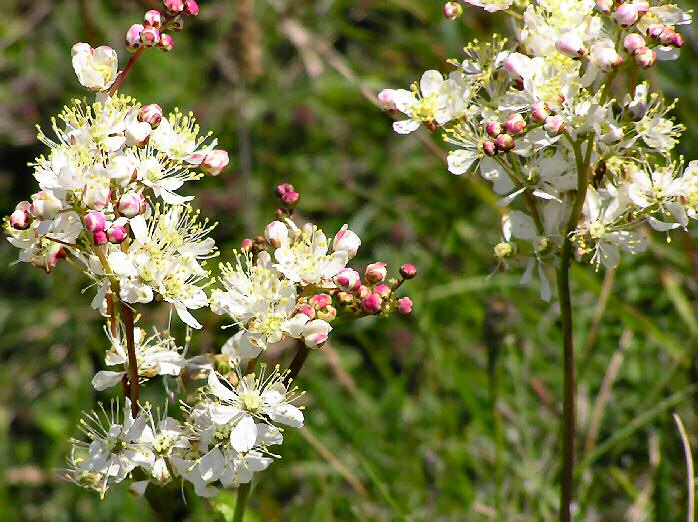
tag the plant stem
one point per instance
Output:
(296, 364)
(134, 388)
(124, 73)
(243, 492)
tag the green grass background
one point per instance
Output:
(400, 423)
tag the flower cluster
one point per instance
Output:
(538, 120)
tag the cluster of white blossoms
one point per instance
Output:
(112, 201)
(538, 119)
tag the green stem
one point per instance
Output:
(243, 493)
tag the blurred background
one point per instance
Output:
(401, 416)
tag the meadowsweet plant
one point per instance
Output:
(112, 202)
(583, 164)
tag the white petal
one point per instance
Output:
(105, 379)
(244, 435)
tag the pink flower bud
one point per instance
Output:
(678, 40)
(280, 213)
(130, 204)
(308, 311)
(346, 241)
(645, 57)
(133, 37)
(290, 199)
(166, 42)
(408, 271)
(174, 6)
(316, 332)
(348, 279)
(150, 36)
(20, 220)
(386, 99)
(404, 305)
(382, 290)
(24, 205)
(540, 111)
(493, 128)
(320, 301)
(633, 42)
(452, 10)
(489, 148)
(283, 188)
(607, 59)
(666, 37)
(515, 124)
(376, 272)
(116, 234)
(327, 314)
(625, 15)
(363, 292)
(191, 7)
(95, 221)
(153, 18)
(246, 243)
(604, 6)
(45, 205)
(571, 45)
(642, 6)
(151, 114)
(215, 162)
(505, 142)
(276, 233)
(372, 303)
(554, 125)
(654, 31)
(100, 238)
(518, 65)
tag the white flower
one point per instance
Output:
(96, 69)
(491, 5)
(663, 189)
(347, 241)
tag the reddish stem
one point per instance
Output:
(127, 315)
(124, 73)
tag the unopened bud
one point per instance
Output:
(151, 114)
(452, 10)
(346, 241)
(348, 280)
(283, 188)
(320, 301)
(607, 59)
(116, 234)
(153, 18)
(493, 128)
(100, 238)
(372, 303)
(666, 37)
(290, 199)
(345, 298)
(642, 6)
(404, 305)
(174, 6)
(308, 311)
(327, 314)
(382, 290)
(408, 271)
(518, 66)
(376, 272)
(276, 233)
(191, 7)
(626, 15)
(539, 111)
(20, 220)
(489, 148)
(363, 292)
(95, 221)
(515, 124)
(246, 244)
(45, 205)
(150, 36)
(386, 99)
(571, 45)
(554, 125)
(505, 142)
(133, 37)
(215, 162)
(24, 205)
(678, 40)
(604, 6)
(280, 213)
(645, 57)
(654, 31)
(633, 42)
(130, 204)
(166, 43)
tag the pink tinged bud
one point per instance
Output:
(116, 234)
(626, 15)
(604, 6)
(666, 37)
(166, 42)
(191, 7)
(608, 59)
(283, 188)
(133, 37)
(246, 243)
(95, 221)
(153, 18)
(539, 111)
(645, 57)
(348, 279)
(382, 290)
(642, 6)
(571, 45)
(489, 148)
(633, 42)
(276, 233)
(130, 204)
(174, 6)
(151, 114)
(150, 36)
(515, 124)
(327, 314)
(386, 99)
(493, 128)
(346, 241)
(45, 205)
(408, 271)
(363, 292)
(372, 303)
(654, 31)
(518, 66)
(215, 162)
(505, 142)
(404, 305)
(320, 301)
(452, 10)
(678, 40)
(308, 311)
(24, 205)
(554, 125)
(315, 333)
(20, 220)
(376, 272)
(100, 238)
(290, 199)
